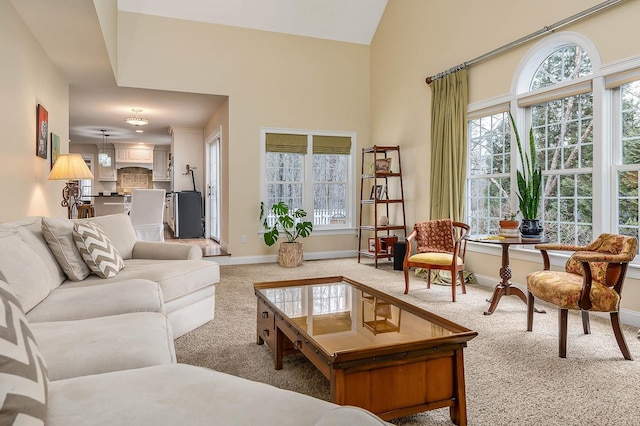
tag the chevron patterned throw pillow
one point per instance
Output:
(24, 382)
(97, 250)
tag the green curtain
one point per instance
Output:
(449, 145)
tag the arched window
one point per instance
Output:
(562, 123)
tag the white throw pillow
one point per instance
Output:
(24, 270)
(96, 249)
(58, 233)
(25, 382)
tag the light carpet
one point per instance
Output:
(513, 377)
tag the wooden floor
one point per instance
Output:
(209, 247)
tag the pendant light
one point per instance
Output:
(103, 157)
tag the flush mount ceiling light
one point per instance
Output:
(136, 121)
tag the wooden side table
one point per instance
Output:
(504, 288)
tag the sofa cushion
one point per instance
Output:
(104, 344)
(119, 229)
(23, 269)
(24, 384)
(177, 394)
(177, 278)
(29, 229)
(58, 233)
(97, 250)
(123, 297)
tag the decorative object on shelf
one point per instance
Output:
(42, 131)
(136, 121)
(55, 148)
(376, 192)
(372, 245)
(529, 186)
(279, 217)
(383, 220)
(70, 167)
(383, 165)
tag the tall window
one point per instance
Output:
(562, 128)
(488, 184)
(311, 171)
(628, 161)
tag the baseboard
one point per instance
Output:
(245, 260)
(627, 316)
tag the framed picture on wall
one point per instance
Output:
(42, 131)
(55, 148)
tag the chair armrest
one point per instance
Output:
(555, 246)
(166, 251)
(586, 258)
(590, 256)
(409, 240)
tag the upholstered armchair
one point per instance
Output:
(592, 281)
(439, 244)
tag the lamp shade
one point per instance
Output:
(70, 166)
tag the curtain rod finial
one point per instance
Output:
(429, 80)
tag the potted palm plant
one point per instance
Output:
(529, 187)
(292, 224)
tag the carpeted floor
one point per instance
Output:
(513, 377)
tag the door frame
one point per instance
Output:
(216, 139)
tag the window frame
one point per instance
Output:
(346, 228)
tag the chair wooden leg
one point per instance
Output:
(428, 278)
(464, 288)
(585, 322)
(562, 336)
(530, 311)
(406, 280)
(617, 331)
(454, 282)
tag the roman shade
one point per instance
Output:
(332, 145)
(282, 142)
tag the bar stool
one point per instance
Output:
(85, 210)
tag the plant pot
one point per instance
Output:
(509, 224)
(290, 254)
(531, 228)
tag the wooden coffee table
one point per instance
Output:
(378, 352)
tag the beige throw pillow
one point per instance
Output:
(97, 250)
(24, 270)
(58, 233)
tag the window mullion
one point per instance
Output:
(308, 192)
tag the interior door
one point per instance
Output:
(213, 189)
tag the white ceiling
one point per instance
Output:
(352, 21)
(96, 102)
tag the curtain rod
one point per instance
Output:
(536, 34)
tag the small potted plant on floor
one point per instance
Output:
(292, 224)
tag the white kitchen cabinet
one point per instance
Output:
(142, 154)
(161, 165)
(107, 173)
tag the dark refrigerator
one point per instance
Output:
(188, 208)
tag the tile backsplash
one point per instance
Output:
(132, 178)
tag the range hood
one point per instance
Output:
(134, 155)
(145, 165)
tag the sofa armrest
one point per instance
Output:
(166, 251)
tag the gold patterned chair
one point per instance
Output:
(440, 244)
(592, 281)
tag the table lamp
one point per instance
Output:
(70, 167)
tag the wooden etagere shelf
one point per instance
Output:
(381, 167)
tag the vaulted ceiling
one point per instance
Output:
(96, 102)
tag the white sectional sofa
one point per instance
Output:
(99, 351)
